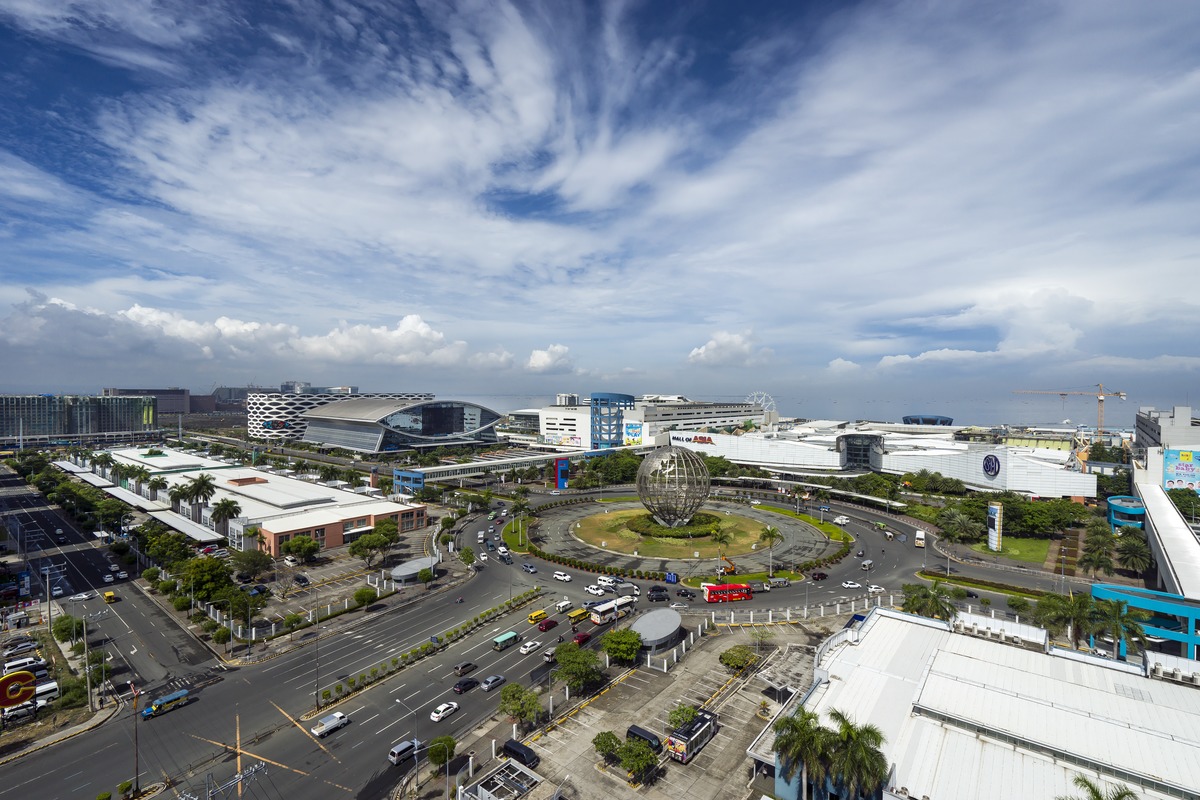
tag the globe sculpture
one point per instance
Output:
(672, 484)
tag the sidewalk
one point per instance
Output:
(101, 716)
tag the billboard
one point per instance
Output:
(633, 433)
(1180, 470)
(995, 526)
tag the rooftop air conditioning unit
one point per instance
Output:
(1176, 673)
(1156, 669)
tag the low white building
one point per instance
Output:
(986, 710)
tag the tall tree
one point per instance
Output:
(1118, 621)
(721, 539)
(856, 761)
(225, 509)
(803, 744)
(156, 485)
(1093, 791)
(200, 490)
(1133, 553)
(928, 601)
(770, 537)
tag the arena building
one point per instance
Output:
(279, 416)
(379, 425)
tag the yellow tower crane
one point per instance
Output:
(1099, 395)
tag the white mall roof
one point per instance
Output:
(975, 719)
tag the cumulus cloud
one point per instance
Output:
(841, 365)
(555, 359)
(726, 348)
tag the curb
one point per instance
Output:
(50, 741)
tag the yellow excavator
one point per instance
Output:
(730, 570)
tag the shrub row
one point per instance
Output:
(701, 526)
(599, 569)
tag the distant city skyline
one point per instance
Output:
(865, 209)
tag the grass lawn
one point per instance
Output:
(608, 531)
(1033, 551)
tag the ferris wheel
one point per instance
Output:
(762, 400)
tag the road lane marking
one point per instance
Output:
(306, 732)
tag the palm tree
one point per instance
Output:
(856, 761)
(1115, 619)
(957, 526)
(1098, 559)
(770, 536)
(720, 538)
(801, 743)
(103, 461)
(178, 494)
(1092, 791)
(1134, 553)
(1077, 613)
(929, 601)
(156, 485)
(225, 510)
(200, 490)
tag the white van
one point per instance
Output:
(402, 751)
(562, 605)
(868, 564)
(22, 664)
(480, 537)
(842, 520)
(606, 580)
(46, 691)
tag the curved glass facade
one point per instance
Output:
(439, 422)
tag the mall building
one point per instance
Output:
(827, 447)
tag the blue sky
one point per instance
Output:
(865, 209)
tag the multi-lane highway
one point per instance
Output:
(252, 714)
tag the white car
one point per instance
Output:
(114, 567)
(851, 585)
(80, 597)
(56, 591)
(562, 576)
(679, 606)
(594, 589)
(873, 589)
(529, 647)
(123, 575)
(108, 577)
(443, 711)
(502, 550)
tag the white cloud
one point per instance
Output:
(729, 349)
(842, 366)
(555, 359)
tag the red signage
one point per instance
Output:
(16, 688)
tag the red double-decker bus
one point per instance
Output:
(726, 592)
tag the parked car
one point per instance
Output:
(594, 589)
(301, 580)
(492, 682)
(465, 685)
(530, 568)
(529, 647)
(851, 585)
(562, 576)
(443, 711)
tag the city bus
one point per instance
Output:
(612, 610)
(164, 704)
(726, 592)
(686, 741)
(505, 640)
(920, 540)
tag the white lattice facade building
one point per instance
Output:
(276, 417)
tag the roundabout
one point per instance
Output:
(600, 535)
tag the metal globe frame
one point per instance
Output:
(672, 484)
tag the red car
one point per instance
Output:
(547, 624)
(581, 638)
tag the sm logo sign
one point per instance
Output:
(16, 688)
